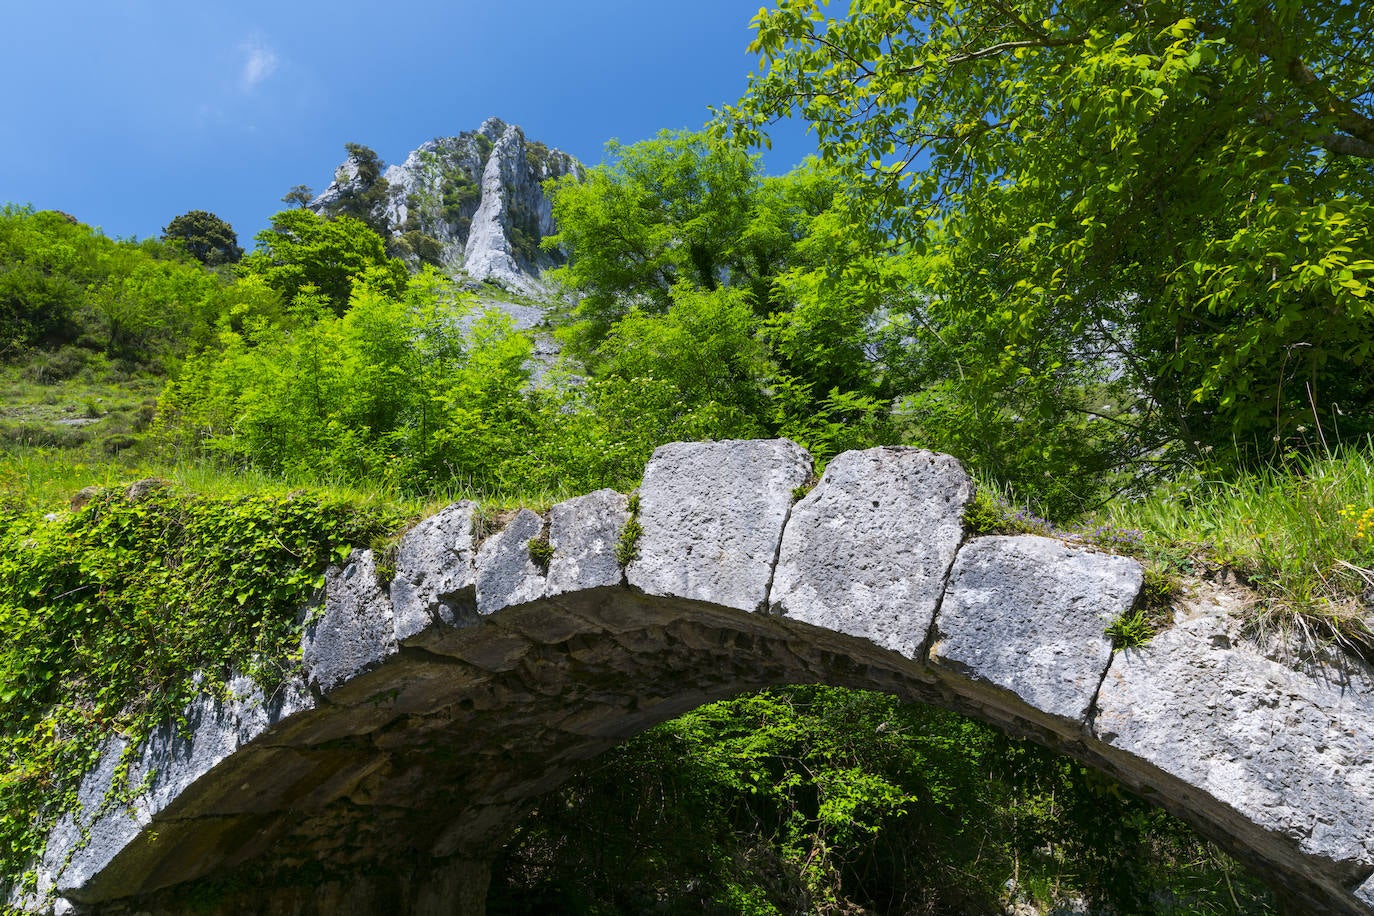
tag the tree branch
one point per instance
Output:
(1004, 46)
(1358, 129)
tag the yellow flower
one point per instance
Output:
(1364, 521)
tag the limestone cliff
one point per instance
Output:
(472, 203)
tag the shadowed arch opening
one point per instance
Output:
(813, 799)
(398, 792)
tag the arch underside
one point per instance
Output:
(394, 771)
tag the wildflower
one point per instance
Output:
(1364, 521)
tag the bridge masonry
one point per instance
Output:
(439, 701)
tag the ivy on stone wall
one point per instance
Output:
(110, 609)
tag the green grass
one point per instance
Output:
(1301, 535)
(75, 401)
(72, 419)
(47, 479)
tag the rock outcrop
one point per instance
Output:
(472, 203)
(433, 709)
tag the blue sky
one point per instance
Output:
(126, 113)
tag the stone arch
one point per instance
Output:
(438, 703)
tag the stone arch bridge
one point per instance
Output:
(437, 705)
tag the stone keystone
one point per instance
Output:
(867, 551)
(1029, 615)
(712, 515)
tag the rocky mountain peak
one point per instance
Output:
(472, 204)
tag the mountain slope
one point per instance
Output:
(472, 203)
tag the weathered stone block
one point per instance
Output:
(87, 839)
(436, 574)
(712, 515)
(1028, 615)
(867, 551)
(171, 760)
(355, 633)
(505, 573)
(583, 533)
(1365, 893)
(1292, 753)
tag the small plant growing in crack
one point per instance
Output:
(627, 545)
(1131, 630)
(541, 552)
(1139, 625)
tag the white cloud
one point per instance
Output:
(259, 63)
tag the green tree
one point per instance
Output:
(1154, 217)
(820, 800)
(45, 264)
(206, 237)
(723, 301)
(62, 282)
(653, 213)
(361, 191)
(303, 249)
(300, 195)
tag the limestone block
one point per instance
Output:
(505, 573)
(867, 551)
(1028, 615)
(86, 839)
(355, 633)
(436, 575)
(583, 533)
(1291, 752)
(712, 515)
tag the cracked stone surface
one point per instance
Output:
(1291, 752)
(1365, 892)
(506, 574)
(172, 759)
(436, 573)
(355, 632)
(866, 552)
(712, 515)
(1028, 615)
(583, 533)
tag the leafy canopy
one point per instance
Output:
(654, 213)
(63, 283)
(1156, 214)
(822, 800)
(303, 249)
(752, 298)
